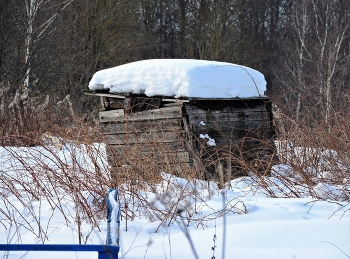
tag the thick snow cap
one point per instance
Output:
(181, 78)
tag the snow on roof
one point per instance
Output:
(181, 78)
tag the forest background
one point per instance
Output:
(49, 51)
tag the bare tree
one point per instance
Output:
(314, 53)
(36, 28)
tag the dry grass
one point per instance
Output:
(157, 178)
(49, 155)
(69, 174)
(315, 159)
(50, 160)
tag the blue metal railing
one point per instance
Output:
(108, 251)
(104, 251)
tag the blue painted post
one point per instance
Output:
(113, 218)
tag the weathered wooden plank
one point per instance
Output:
(234, 99)
(173, 124)
(178, 101)
(112, 115)
(226, 109)
(230, 126)
(222, 141)
(227, 104)
(135, 104)
(150, 172)
(196, 116)
(119, 116)
(150, 157)
(143, 137)
(148, 147)
(242, 145)
(104, 94)
(142, 165)
(192, 99)
(164, 148)
(112, 103)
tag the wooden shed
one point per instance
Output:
(208, 138)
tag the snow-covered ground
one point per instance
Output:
(257, 226)
(241, 221)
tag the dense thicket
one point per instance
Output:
(302, 47)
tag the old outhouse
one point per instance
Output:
(204, 118)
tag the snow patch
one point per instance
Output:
(210, 141)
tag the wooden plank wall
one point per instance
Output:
(243, 135)
(143, 144)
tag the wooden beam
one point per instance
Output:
(156, 114)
